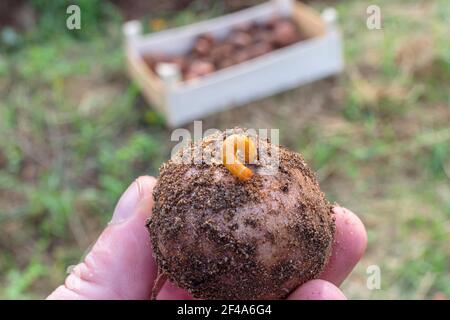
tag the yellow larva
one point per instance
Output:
(230, 147)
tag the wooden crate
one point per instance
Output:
(279, 70)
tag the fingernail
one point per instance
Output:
(127, 204)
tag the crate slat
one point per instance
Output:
(277, 71)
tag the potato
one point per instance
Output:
(241, 56)
(199, 68)
(240, 39)
(222, 238)
(260, 48)
(203, 45)
(285, 33)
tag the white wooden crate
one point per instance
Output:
(277, 71)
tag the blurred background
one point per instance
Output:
(75, 132)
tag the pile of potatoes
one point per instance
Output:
(220, 236)
(244, 42)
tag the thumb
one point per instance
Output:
(120, 264)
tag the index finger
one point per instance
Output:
(349, 244)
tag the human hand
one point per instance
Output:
(120, 265)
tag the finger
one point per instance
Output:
(171, 291)
(349, 245)
(120, 264)
(317, 290)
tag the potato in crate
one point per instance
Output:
(196, 70)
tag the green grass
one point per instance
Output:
(75, 132)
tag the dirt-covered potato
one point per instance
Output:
(223, 238)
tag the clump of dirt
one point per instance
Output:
(221, 238)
